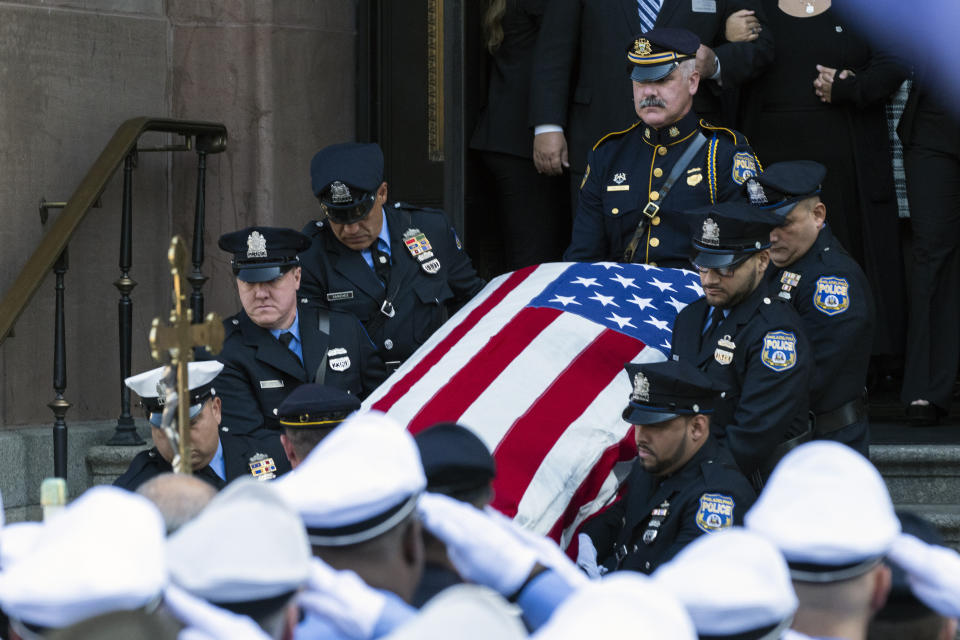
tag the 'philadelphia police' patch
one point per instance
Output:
(779, 350)
(832, 295)
(744, 166)
(715, 512)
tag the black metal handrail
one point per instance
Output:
(203, 137)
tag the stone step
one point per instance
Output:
(946, 517)
(927, 474)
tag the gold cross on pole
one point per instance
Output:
(174, 343)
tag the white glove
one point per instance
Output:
(480, 549)
(933, 572)
(587, 557)
(548, 553)
(204, 621)
(343, 598)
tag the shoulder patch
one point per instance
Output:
(779, 350)
(614, 134)
(744, 166)
(715, 512)
(832, 295)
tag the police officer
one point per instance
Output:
(217, 454)
(638, 181)
(829, 290)
(741, 337)
(275, 344)
(309, 414)
(398, 268)
(683, 483)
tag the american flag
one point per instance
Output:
(534, 365)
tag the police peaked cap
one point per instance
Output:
(783, 184)
(262, 254)
(656, 53)
(725, 233)
(345, 178)
(454, 458)
(664, 390)
(315, 406)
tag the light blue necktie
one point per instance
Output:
(648, 10)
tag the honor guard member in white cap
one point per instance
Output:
(639, 181)
(397, 267)
(103, 553)
(905, 615)
(276, 343)
(829, 290)
(756, 600)
(683, 483)
(247, 552)
(828, 511)
(747, 340)
(309, 414)
(217, 453)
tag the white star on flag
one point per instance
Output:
(587, 282)
(659, 324)
(666, 345)
(607, 265)
(626, 282)
(643, 303)
(648, 267)
(602, 299)
(663, 286)
(676, 304)
(565, 300)
(696, 288)
(623, 322)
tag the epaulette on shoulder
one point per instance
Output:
(614, 134)
(313, 228)
(231, 325)
(738, 138)
(406, 206)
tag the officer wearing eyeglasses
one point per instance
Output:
(752, 344)
(398, 268)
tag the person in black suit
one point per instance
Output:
(398, 268)
(578, 89)
(217, 455)
(683, 483)
(829, 290)
(275, 344)
(737, 335)
(930, 131)
(532, 209)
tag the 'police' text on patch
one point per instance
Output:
(832, 295)
(715, 512)
(779, 350)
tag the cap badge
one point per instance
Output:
(262, 467)
(641, 47)
(711, 233)
(256, 245)
(757, 196)
(340, 193)
(338, 358)
(620, 178)
(161, 392)
(641, 388)
(673, 132)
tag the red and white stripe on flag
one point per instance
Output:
(534, 365)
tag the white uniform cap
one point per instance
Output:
(467, 612)
(933, 573)
(622, 605)
(361, 481)
(246, 545)
(828, 511)
(200, 376)
(756, 593)
(104, 552)
(17, 540)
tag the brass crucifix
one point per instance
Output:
(174, 343)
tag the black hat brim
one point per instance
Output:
(719, 260)
(635, 414)
(350, 213)
(260, 273)
(652, 72)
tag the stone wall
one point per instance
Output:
(279, 75)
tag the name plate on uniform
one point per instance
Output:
(271, 384)
(339, 295)
(618, 187)
(704, 6)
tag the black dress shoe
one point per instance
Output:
(924, 415)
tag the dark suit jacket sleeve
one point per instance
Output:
(241, 413)
(744, 61)
(875, 83)
(554, 62)
(604, 528)
(770, 402)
